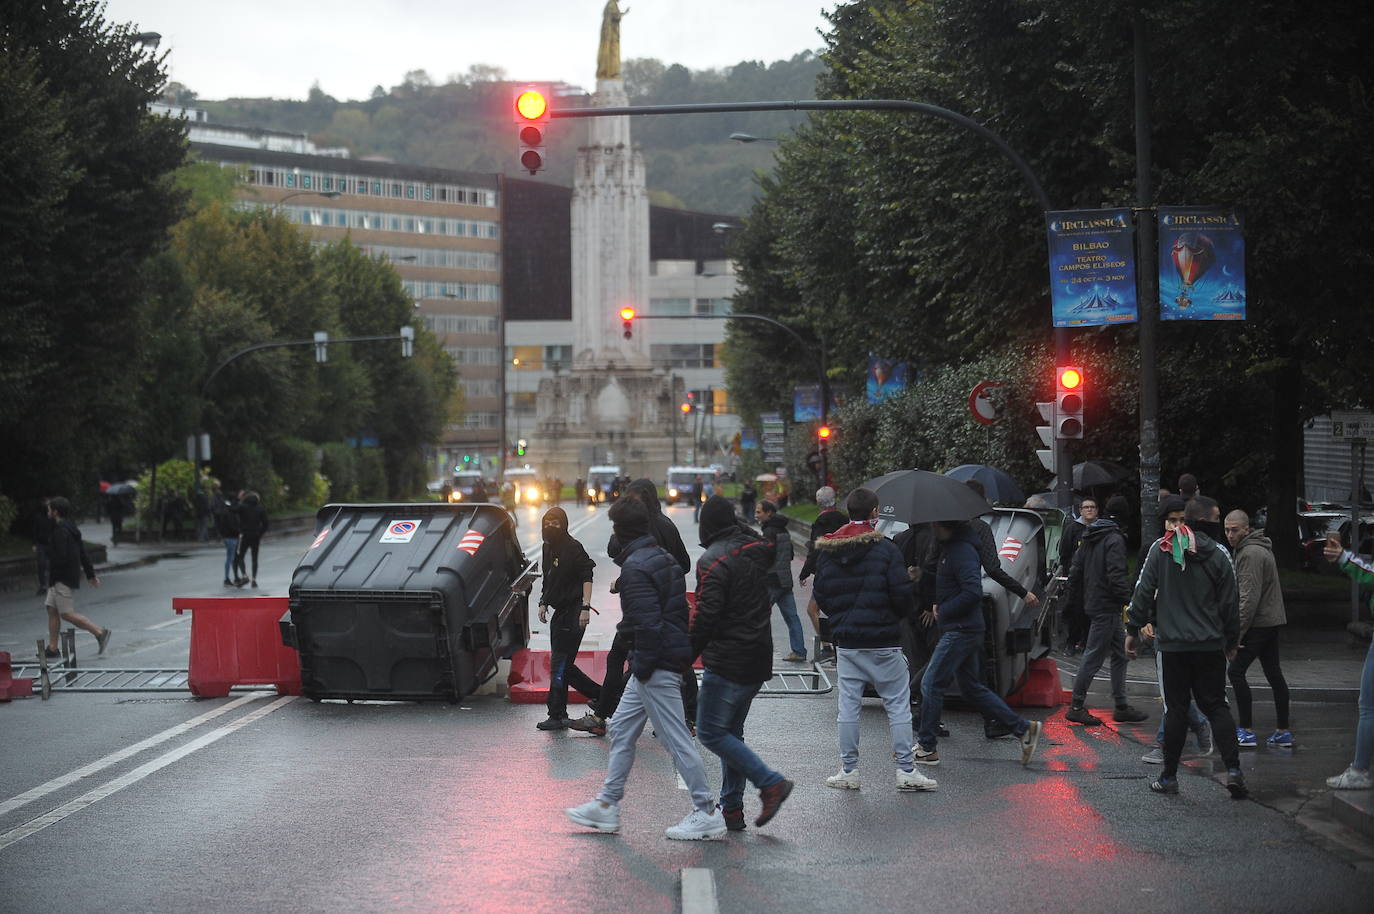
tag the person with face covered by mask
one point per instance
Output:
(567, 592)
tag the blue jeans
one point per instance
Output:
(787, 605)
(722, 706)
(1364, 733)
(231, 549)
(958, 655)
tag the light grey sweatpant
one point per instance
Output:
(659, 700)
(886, 669)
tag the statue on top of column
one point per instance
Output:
(608, 56)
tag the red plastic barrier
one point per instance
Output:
(9, 686)
(530, 676)
(1042, 689)
(236, 641)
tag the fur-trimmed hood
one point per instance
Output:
(853, 533)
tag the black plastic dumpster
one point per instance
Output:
(407, 601)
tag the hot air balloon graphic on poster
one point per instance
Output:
(1193, 255)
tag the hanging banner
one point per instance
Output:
(885, 378)
(1201, 264)
(1092, 267)
(774, 437)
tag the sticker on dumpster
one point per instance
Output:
(470, 541)
(400, 531)
(319, 539)
(1011, 548)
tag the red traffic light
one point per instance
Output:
(1070, 378)
(627, 314)
(824, 433)
(686, 407)
(1068, 406)
(531, 105)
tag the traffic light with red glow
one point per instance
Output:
(531, 122)
(686, 408)
(824, 432)
(1069, 390)
(627, 319)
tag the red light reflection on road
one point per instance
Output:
(1060, 826)
(1065, 747)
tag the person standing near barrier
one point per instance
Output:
(1358, 775)
(779, 577)
(69, 563)
(567, 590)
(732, 633)
(863, 588)
(252, 525)
(653, 605)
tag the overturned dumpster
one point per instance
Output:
(407, 601)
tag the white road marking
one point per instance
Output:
(113, 758)
(175, 620)
(89, 798)
(699, 891)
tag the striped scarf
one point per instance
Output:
(1178, 542)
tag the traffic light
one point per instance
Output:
(1046, 433)
(686, 408)
(520, 447)
(1068, 402)
(627, 318)
(824, 433)
(467, 458)
(531, 120)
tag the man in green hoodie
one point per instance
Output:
(1187, 593)
(1261, 618)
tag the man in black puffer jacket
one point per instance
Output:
(863, 587)
(653, 612)
(733, 634)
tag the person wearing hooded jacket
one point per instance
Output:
(665, 533)
(958, 654)
(863, 588)
(252, 525)
(732, 633)
(1186, 598)
(69, 562)
(1098, 582)
(653, 608)
(779, 576)
(567, 591)
(1261, 617)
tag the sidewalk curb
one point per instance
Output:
(1148, 688)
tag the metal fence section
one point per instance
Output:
(813, 681)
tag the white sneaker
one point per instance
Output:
(698, 826)
(593, 815)
(1351, 778)
(844, 780)
(914, 780)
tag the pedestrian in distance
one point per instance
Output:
(252, 525)
(828, 520)
(732, 633)
(567, 592)
(653, 606)
(748, 497)
(118, 509)
(579, 490)
(42, 529)
(200, 500)
(69, 564)
(1262, 616)
(698, 497)
(958, 653)
(863, 588)
(1358, 775)
(1075, 618)
(1187, 595)
(779, 577)
(227, 528)
(1099, 583)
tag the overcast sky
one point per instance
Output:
(278, 48)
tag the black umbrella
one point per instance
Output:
(1099, 473)
(998, 486)
(120, 488)
(919, 496)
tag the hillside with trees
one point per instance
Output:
(465, 123)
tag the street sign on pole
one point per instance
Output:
(981, 405)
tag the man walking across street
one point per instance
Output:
(1261, 618)
(779, 577)
(1187, 592)
(959, 610)
(69, 563)
(1075, 619)
(252, 525)
(1098, 582)
(863, 587)
(653, 605)
(733, 634)
(567, 589)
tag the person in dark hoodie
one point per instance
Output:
(665, 533)
(653, 607)
(252, 525)
(67, 555)
(779, 577)
(1098, 582)
(863, 588)
(959, 610)
(567, 591)
(1187, 598)
(732, 632)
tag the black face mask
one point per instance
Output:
(554, 534)
(1213, 530)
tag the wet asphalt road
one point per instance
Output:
(283, 803)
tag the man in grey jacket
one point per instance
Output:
(1261, 617)
(774, 526)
